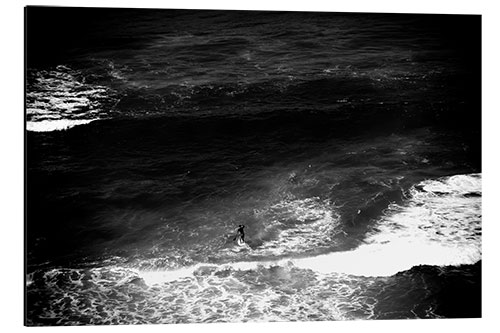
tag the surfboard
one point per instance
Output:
(240, 241)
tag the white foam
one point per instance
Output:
(303, 224)
(429, 229)
(55, 125)
(459, 184)
(57, 100)
(389, 259)
(152, 277)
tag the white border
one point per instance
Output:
(11, 20)
(392, 6)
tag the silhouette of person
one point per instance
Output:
(240, 233)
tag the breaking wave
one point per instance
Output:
(59, 99)
(439, 224)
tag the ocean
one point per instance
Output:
(347, 144)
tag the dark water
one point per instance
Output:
(349, 145)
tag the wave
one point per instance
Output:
(417, 247)
(59, 99)
(241, 292)
(56, 125)
(283, 90)
(66, 93)
(289, 227)
(439, 225)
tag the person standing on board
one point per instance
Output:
(240, 233)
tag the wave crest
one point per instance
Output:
(60, 99)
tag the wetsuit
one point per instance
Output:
(240, 233)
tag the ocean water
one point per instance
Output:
(349, 145)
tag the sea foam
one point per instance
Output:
(55, 125)
(440, 225)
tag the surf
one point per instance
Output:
(436, 227)
(60, 98)
(439, 225)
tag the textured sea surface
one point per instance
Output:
(349, 145)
